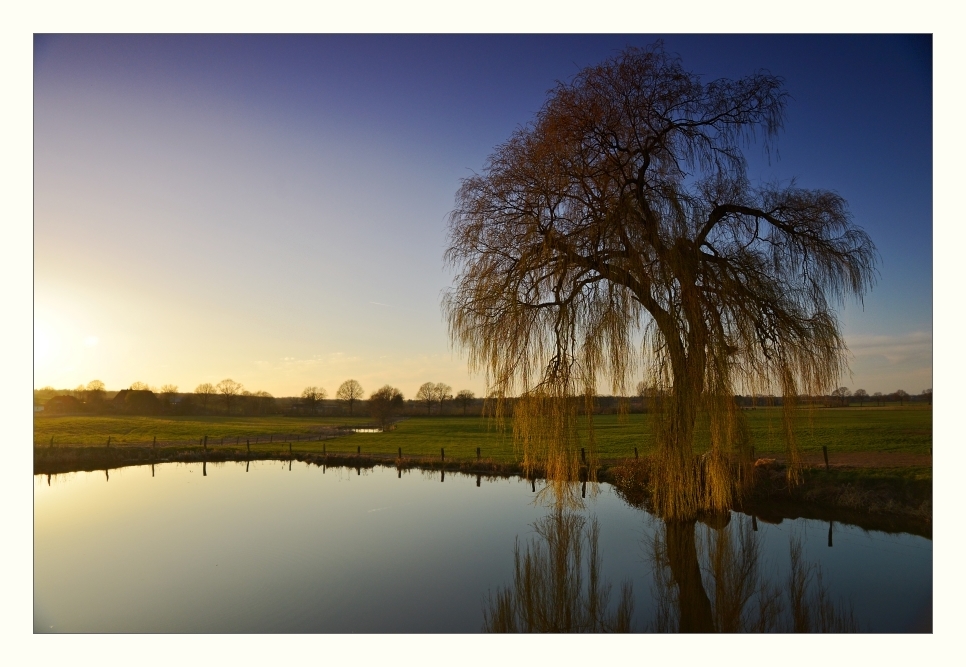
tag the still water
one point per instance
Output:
(260, 547)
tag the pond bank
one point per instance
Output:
(888, 499)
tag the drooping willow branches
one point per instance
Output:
(618, 235)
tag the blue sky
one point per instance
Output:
(273, 208)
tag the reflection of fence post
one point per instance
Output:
(754, 523)
(477, 479)
(830, 533)
(825, 454)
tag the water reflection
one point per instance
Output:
(734, 594)
(549, 594)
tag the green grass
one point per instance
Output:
(892, 429)
(94, 430)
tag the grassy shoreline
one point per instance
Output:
(903, 493)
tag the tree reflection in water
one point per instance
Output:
(706, 579)
(725, 589)
(553, 589)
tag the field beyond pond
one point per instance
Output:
(847, 431)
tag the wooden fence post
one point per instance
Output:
(583, 455)
(358, 449)
(477, 456)
(442, 454)
(825, 454)
(108, 441)
(51, 441)
(400, 452)
(635, 453)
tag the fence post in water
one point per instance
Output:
(825, 454)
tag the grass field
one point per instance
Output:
(878, 429)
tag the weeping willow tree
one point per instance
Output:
(617, 236)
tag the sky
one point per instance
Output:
(273, 208)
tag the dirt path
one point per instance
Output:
(865, 460)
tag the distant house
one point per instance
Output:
(64, 404)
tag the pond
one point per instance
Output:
(270, 546)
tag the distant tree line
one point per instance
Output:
(384, 405)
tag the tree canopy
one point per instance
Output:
(618, 235)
